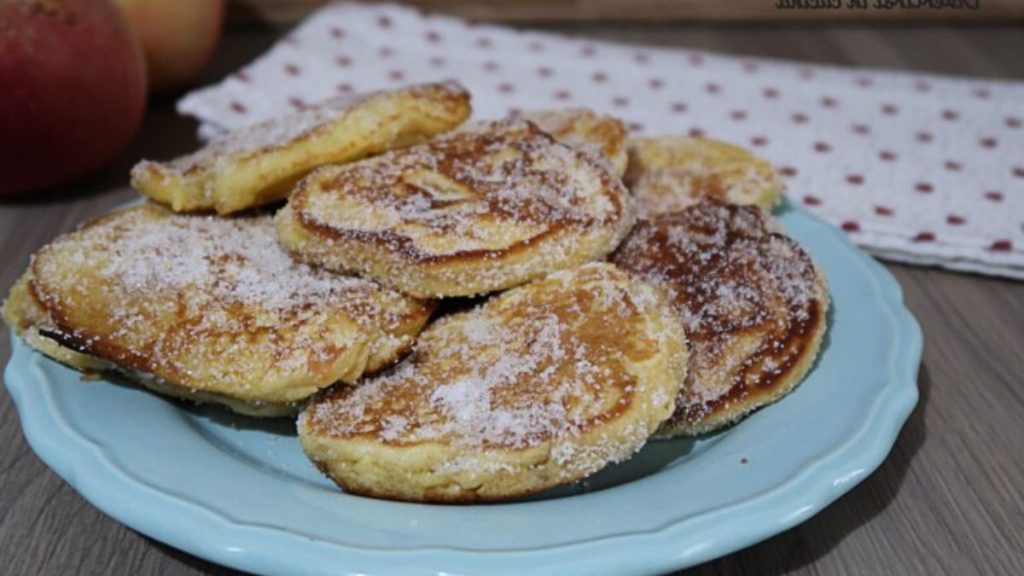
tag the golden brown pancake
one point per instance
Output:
(206, 308)
(541, 385)
(487, 207)
(33, 324)
(260, 164)
(669, 173)
(752, 301)
(603, 137)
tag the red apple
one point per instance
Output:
(178, 37)
(72, 89)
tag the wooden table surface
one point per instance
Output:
(948, 500)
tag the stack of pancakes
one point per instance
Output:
(456, 311)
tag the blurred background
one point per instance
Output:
(284, 11)
(95, 93)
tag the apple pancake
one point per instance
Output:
(541, 385)
(23, 313)
(603, 137)
(260, 164)
(208, 309)
(486, 207)
(35, 327)
(752, 300)
(669, 173)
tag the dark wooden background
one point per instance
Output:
(948, 500)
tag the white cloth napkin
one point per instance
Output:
(916, 168)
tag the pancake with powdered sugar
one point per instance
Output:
(205, 308)
(260, 164)
(541, 385)
(603, 137)
(752, 300)
(669, 173)
(487, 207)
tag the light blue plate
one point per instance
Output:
(239, 492)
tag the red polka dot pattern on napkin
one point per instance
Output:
(914, 167)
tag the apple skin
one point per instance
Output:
(177, 36)
(72, 90)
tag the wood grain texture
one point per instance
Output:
(948, 500)
(288, 11)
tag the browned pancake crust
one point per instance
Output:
(541, 385)
(260, 164)
(212, 306)
(603, 137)
(669, 173)
(487, 207)
(752, 300)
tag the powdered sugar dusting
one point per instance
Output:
(168, 290)
(748, 295)
(485, 186)
(234, 260)
(601, 137)
(671, 173)
(268, 135)
(542, 363)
